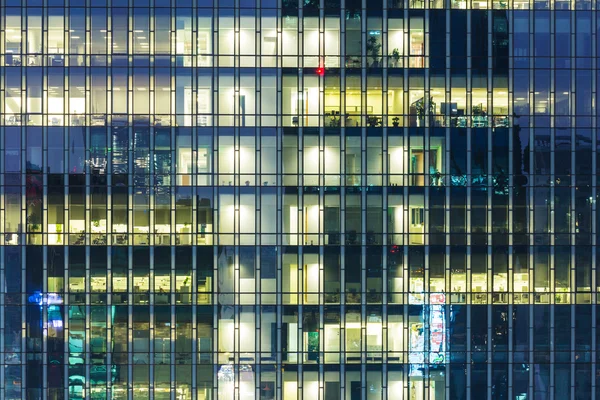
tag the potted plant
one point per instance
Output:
(420, 109)
(436, 176)
(396, 122)
(334, 122)
(395, 56)
(373, 121)
(373, 49)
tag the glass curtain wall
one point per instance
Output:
(299, 199)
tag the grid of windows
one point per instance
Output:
(299, 199)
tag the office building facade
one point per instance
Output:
(299, 199)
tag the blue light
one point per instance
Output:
(45, 299)
(36, 298)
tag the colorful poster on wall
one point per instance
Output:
(416, 349)
(435, 322)
(437, 329)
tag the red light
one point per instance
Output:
(320, 71)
